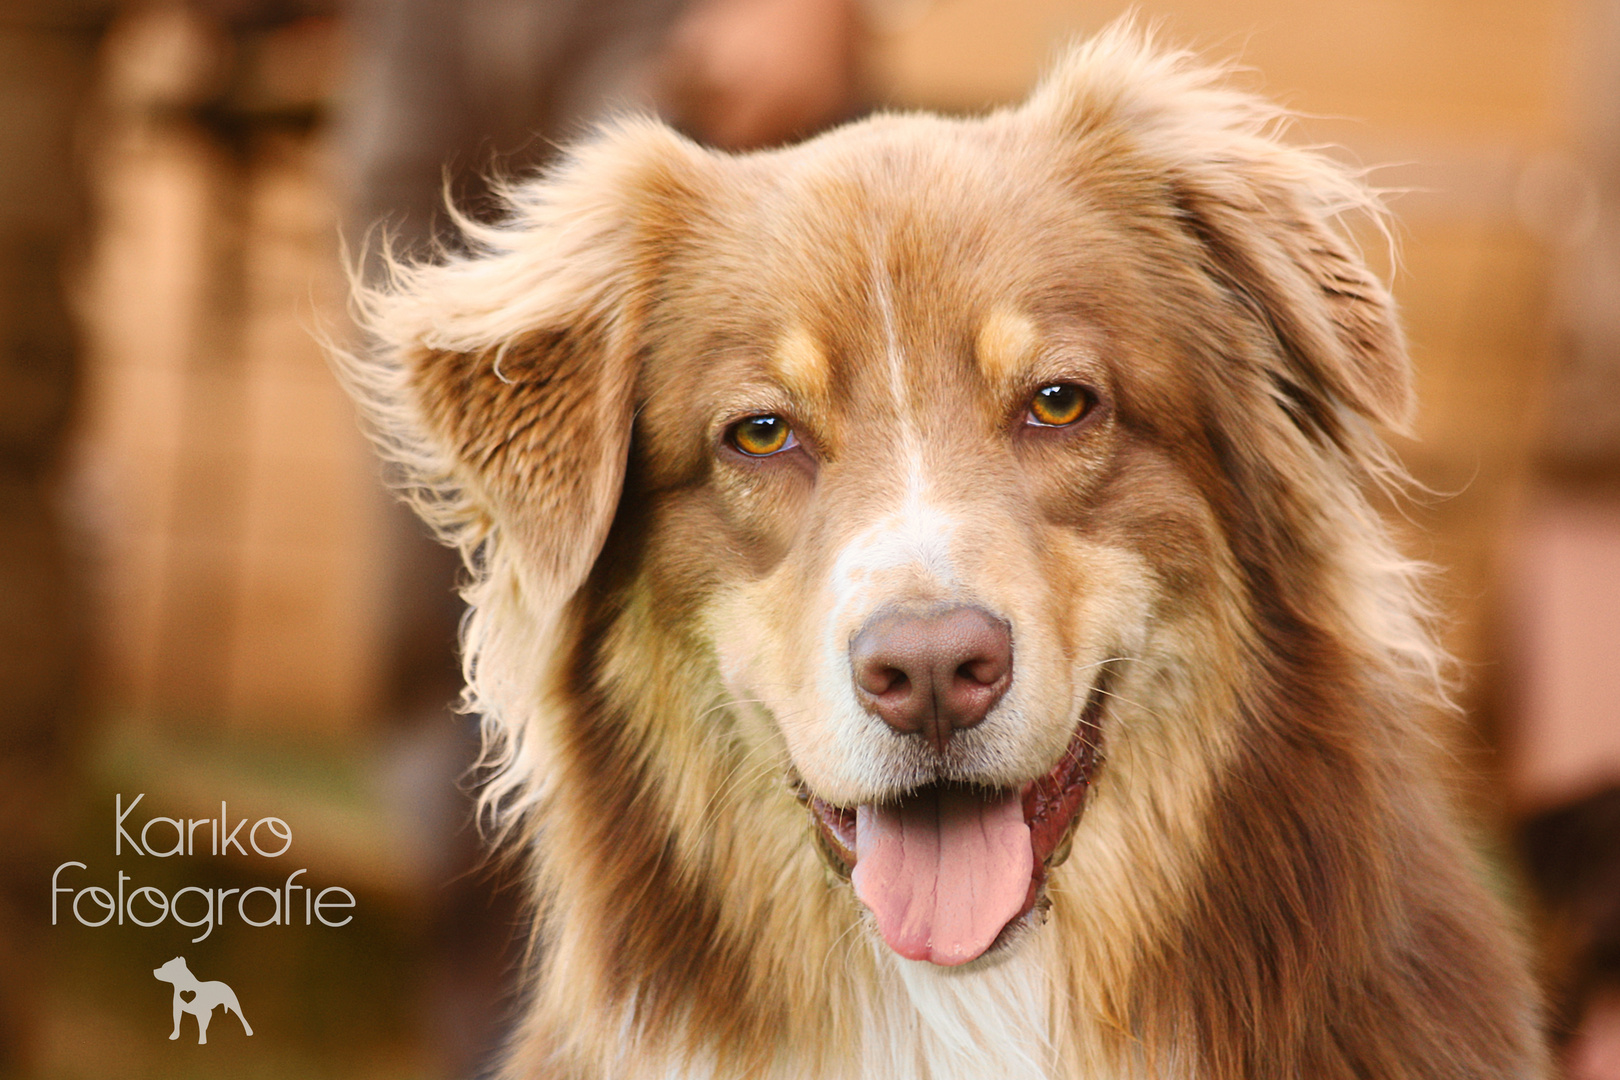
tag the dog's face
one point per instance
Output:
(906, 446)
(920, 466)
(930, 438)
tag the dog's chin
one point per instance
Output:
(1030, 825)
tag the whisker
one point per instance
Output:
(1107, 660)
(833, 948)
(1120, 697)
(725, 785)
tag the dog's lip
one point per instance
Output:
(1052, 805)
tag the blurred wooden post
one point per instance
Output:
(47, 52)
(229, 493)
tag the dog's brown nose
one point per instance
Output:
(932, 673)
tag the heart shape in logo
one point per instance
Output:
(188, 1000)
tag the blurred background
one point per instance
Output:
(206, 594)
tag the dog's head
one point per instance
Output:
(936, 447)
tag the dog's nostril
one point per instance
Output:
(932, 673)
(984, 672)
(877, 679)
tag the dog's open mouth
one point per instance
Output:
(947, 869)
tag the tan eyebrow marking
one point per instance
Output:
(802, 365)
(1007, 340)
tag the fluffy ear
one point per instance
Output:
(1266, 214)
(1272, 242)
(506, 378)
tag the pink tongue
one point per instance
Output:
(943, 872)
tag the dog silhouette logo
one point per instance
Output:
(205, 997)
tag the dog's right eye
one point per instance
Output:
(761, 436)
(1060, 405)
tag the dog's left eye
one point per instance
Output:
(1060, 405)
(761, 436)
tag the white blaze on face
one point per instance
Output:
(917, 535)
(916, 540)
(904, 555)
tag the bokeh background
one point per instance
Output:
(206, 594)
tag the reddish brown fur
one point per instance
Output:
(1269, 884)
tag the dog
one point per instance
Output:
(925, 605)
(205, 998)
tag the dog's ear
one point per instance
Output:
(1272, 241)
(506, 378)
(1265, 214)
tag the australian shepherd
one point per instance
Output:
(926, 609)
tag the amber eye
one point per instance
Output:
(1060, 404)
(761, 436)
